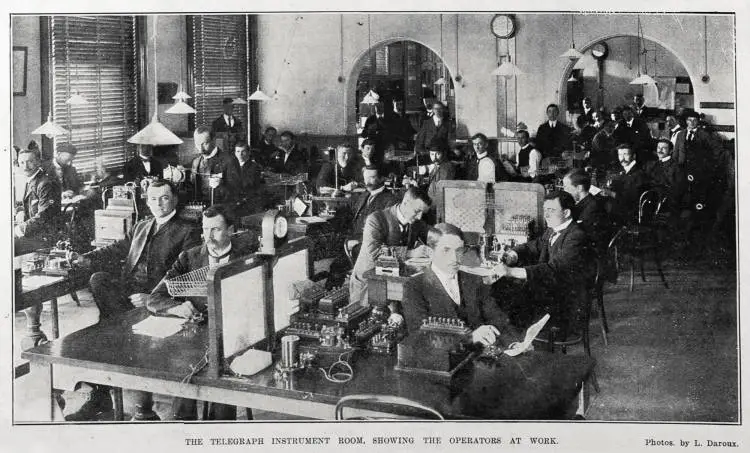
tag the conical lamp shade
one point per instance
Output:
(371, 98)
(155, 134)
(643, 79)
(180, 107)
(572, 54)
(181, 96)
(76, 99)
(239, 100)
(440, 81)
(507, 69)
(572, 79)
(50, 129)
(259, 96)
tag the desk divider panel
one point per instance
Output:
(518, 198)
(249, 301)
(464, 204)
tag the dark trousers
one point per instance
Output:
(111, 297)
(186, 409)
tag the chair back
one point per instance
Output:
(648, 205)
(382, 401)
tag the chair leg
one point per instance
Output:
(632, 274)
(657, 259)
(595, 381)
(74, 296)
(641, 258)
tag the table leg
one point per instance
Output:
(34, 335)
(55, 319)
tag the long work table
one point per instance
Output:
(536, 385)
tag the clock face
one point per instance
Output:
(503, 26)
(280, 227)
(600, 51)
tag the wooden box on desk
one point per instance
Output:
(111, 225)
(382, 289)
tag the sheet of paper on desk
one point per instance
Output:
(312, 219)
(299, 206)
(531, 333)
(159, 326)
(593, 190)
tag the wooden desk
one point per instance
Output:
(537, 385)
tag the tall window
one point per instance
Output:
(95, 57)
(218, 58)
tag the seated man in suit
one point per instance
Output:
(267, 146)
(148, 252)
(63, 170)
(484, 167)
(627, 186)
(374, 199)
(556, 266)
(244, 179)
(219, 247)
(142, 165)
(552, 136)
(227, 128)
(209, 169)
(440, 169)
(348, 167)
(589, 210)
(668, 178)
(38, 223)
(399, 225)
(444, 291)
(288, 158)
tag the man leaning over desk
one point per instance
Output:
(442, 290)
(219, 247)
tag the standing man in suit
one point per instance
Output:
(209, 169)
(528, 159)
(399, 131)
(227, 127)
(38, 223)
(219, 247)
(673, 127)
(244, 179)
(444, 291)
(603, 147)
(142, 165)
(556, 267)
(288, 158)
(375, 129)
(399, 225)
(435, 129)
(148, 252)
(588, 109)
(552, 136)
(638, 134)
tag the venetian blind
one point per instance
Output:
(95, 57)
(219, 62)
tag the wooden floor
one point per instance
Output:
(672, 353)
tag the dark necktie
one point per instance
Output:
(217, 259)
(553, 237)
(405, 230)
(691, 135)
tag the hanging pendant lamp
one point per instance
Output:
(155, 133)
(641, 79)
(441, 80)
(572, 53)
(259, 95)
(50, 128)
(181, 107)
(371, 97)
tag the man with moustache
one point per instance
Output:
(348, 167)
(627, 186)
(288, 158)
(210, 169)
(142, 165)
(668, 177)
(219, 247)
(436, 129)
(148, 252)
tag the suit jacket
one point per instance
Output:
(399, 131)
(424, 295)
(295, 164)
(67, 176)
(560, 273)
(201, 170)
(362, 209)
(679, 153)
(446, 171)
(230, 134)
(429, 133)
(160, 301)
(134, 169)
(265, 151)
(639, 135)
(382, 228)
(603, 153)
(243, 181)
(41, 207)
(628, 188)
(592, 218)
(669, 179)
(161, 248)
(701, 153)
(352, 172)
(551, 142)
(375, 129)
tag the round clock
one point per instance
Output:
(273, 231)
(280, 227)
(600, 50)
(503, 26)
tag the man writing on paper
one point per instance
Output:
(219, 247)
(444, 291)
(557, 267)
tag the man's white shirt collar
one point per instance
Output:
(628, 167)
(377, 191)
(552, 123)
(481, 155)
(401, 219)
(162, 220)
(448, 282)
(562, 226)
(666, 159)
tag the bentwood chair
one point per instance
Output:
(385, 403)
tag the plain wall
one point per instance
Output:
(27, 110)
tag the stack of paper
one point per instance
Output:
(159, 326)
(531, 333)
